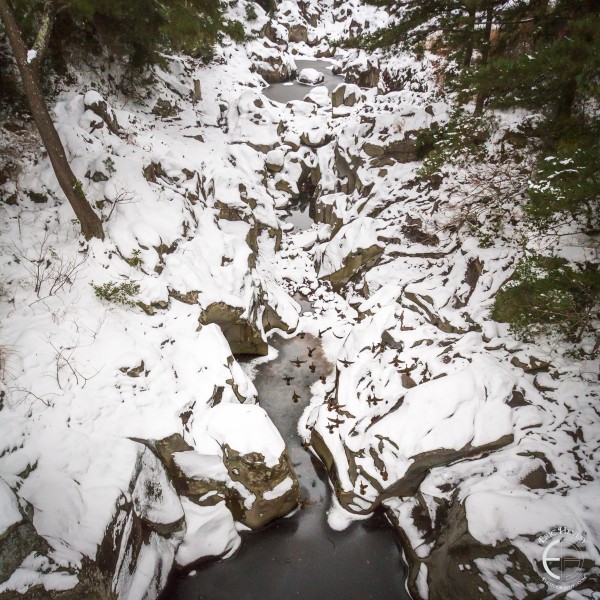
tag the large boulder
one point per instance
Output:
(362, 70)
(355, 247)
(280, 311)
(252, 119)
(401, 150)
(234, 304)
(346, 94)
(117, 539)
(298, 33)
(241, 464)
(243, 335)
(483, 535)
(396, 139)
(270, 62)
(311, 77)
(18, 537)
(451, 418)
(255, 460)
(385, 421)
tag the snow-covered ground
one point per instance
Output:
(476, 442)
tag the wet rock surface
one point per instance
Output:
(243, 336)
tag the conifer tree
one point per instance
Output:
(542, 55)
(552, 60)
(464, 26)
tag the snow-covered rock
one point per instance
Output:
(310, 77)
(125, 531)
(271, 63)
(353, 248)
(210, 532)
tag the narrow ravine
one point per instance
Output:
(333, 330)
(300, 556)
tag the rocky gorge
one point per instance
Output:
(134, 439)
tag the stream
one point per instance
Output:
(300, 556)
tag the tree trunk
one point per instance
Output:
(539, 9)
(485, 53)
(91, 225)
(564, 106)
(468, 56)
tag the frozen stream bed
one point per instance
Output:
(300, 556)
(292, 90)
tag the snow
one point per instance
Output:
(210, 532)
(280, 489)
(310, 76)
(422, 582)
(154, 496)
(361, 233)
(31, 55)
(38, 570)
(496, 515)
(10, 507)
(245, 428)
(338, 518)
(318, 95)
(200, 466)
(420, 365)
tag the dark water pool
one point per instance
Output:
(300, 556)
(285, 92)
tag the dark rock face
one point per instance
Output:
(298, 33)
(146, 528)
(272, 33)
(353, 264)
(345, 95)
(243, 336)
(165, 109)
(271, 64)
(310, 11)
(403, 150)
(17, 541)
(249, 470)
(324, 212)
(274, 71)
(408, 484)
(100, 108)
(363, 76)
(455, 547)
(272, 320)
(347, 166)
(139, 529)
(153, 172)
